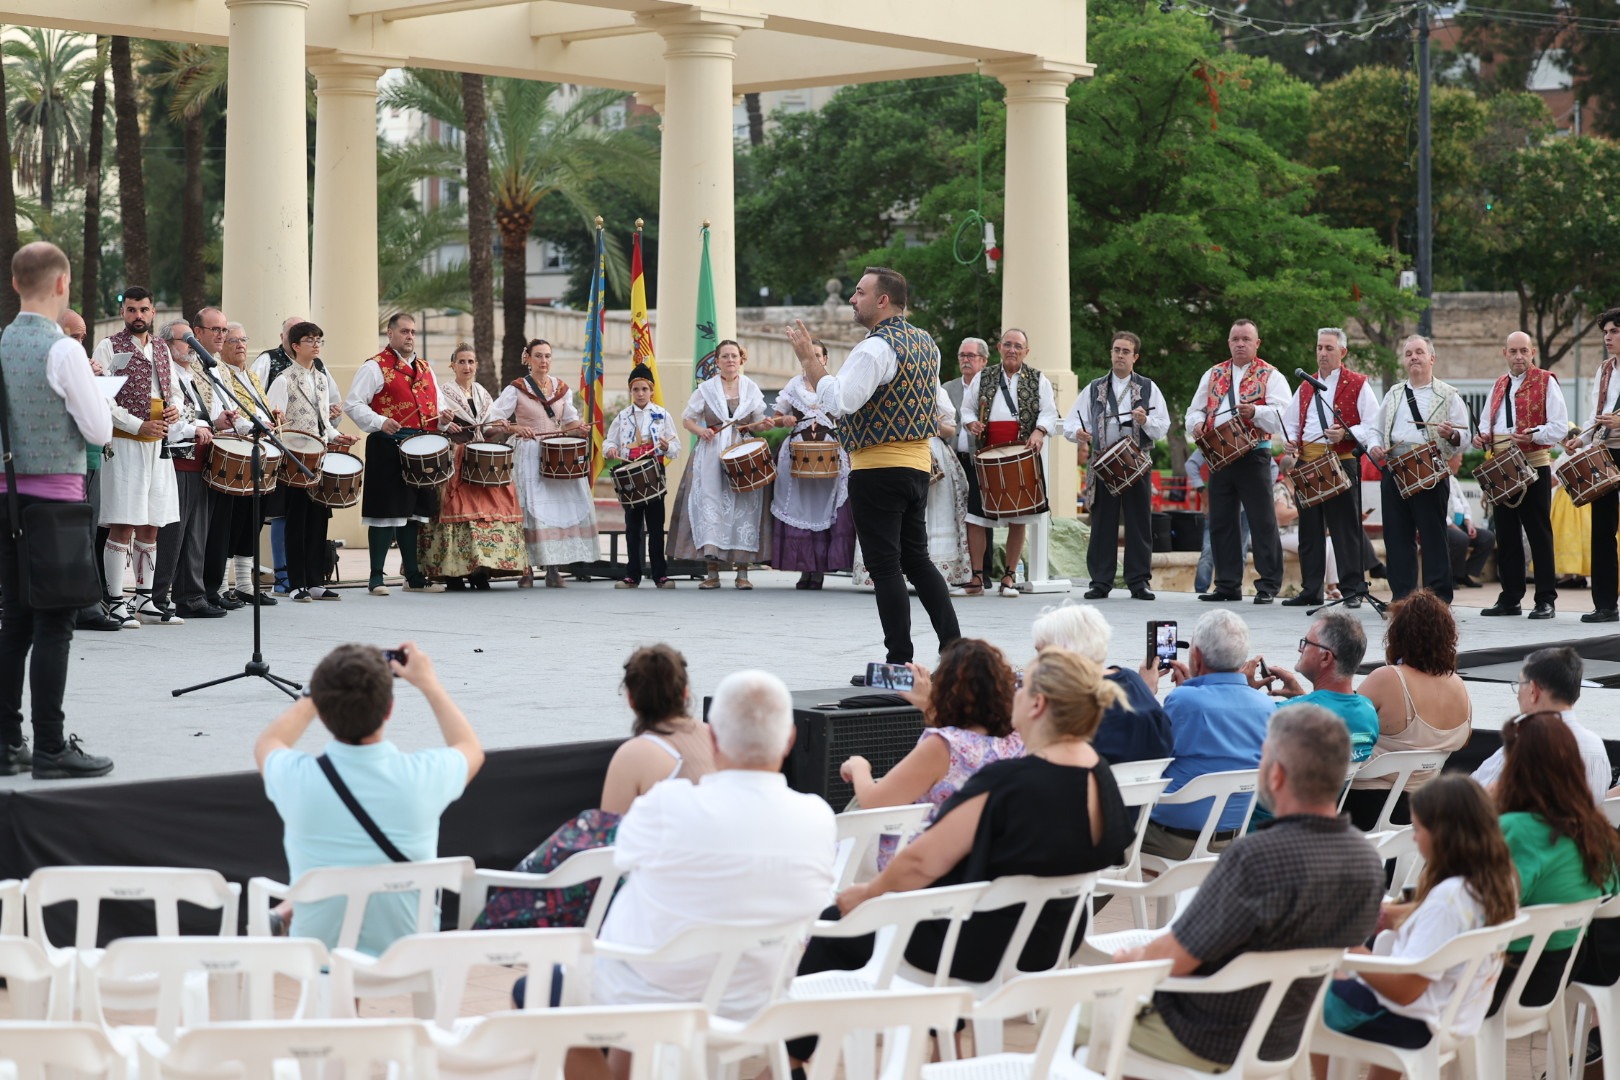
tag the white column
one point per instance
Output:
(266, 271)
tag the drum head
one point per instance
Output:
(425, 444)
(270, 453)
(231, 444)
(997, 453)
(490, 447)
(302, 442)
(566, 443)
(742, 449)
(340, 464)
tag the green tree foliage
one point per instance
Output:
(48, 77)
(1350, 36)
(409, 234)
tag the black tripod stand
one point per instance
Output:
(256, 667)
(1365, 594)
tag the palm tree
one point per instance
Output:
(408, 235)
(195, 76)
(131, 172)
(90, 264)
(48, 69)
(480, 226)
(9, 302)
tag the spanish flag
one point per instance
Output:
(641, 339)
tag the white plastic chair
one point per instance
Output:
(1611, 809)
(40, 984)
(536, 1042)
(1516, 1020)
(1399, 846)
(255, 1047)
(726, 946)
(38, 1051)
(1170, 892)
(1401, 765)
(1277, 972)
(1142, 795)
(905, 1016)
(1220, 788)
(578, 869)
(433, 968)
(1445, 1045)
(11, 908)
(1114, 992)
(166, 887)
(1131, 772)
(357, 884)
(860, 830)
(1590, 1004)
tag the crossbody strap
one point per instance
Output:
(359, 811)
(11, 466)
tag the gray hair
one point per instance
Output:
(1340, 335)
(1079, 628)
(235, 326)
(163, 331)
(1409, 338)
(752, 718)
(1343, 634)
(1313, 747)
(980, 346)
(1223, 639)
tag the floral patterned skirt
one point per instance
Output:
(479, 529)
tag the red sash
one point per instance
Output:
(1001, 433)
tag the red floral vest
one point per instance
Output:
(409, 396)
(136, 393)
(1346, 398)
(1252, 390)
(1529, 404)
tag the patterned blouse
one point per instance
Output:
(970, 752)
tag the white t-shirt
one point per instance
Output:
(1594, 757)
(1449, 910)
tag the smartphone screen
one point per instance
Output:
(888, 676)
(1161, 641)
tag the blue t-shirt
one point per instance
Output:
(1219, 723)
(1357, 712)
(405, 794)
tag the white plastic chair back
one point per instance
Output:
(578, 869)
(38, 1051)
(1171, 892)
(182, 971)
(1516, 1020)
(893, 917)
(1400, 846)
(1220, 788)
(11, 908)
(165, 887)
(538, 1041)
(436, 968)
(726, 946)
(1132, 772)
(860, 830)
(906, 1016)
(252, 1050)
(1142, 795)
(1402, 765)
(1594, 1003)
(39, 984)
(1611, 810)
(356, 885)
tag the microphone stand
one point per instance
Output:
(256, 667)
(1361, 449)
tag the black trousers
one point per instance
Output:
(1468, 555)
(217, 550)
(48, 634)
(182, 544)
(1339, 517)
(245, 527)
(1245, 484)
(646, 520)
(1135, 507)
(307, 522)
(975, 505)
(1534, 516)
(1406, 521)
(889, 507)
(1605, 564)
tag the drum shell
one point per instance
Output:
(1588, 474)
(1419, 469)
(1504, 478)
(1010, 485)
(814, 460)
(751, 469)
(639, 482)
(1319, 480)
(486, 464)
(297, 444)
(565, 457)
(430, 464)
(229, 469)
(1121, 465)
(338, 490)
(1224, 444)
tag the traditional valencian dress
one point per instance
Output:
(559, 516)
(815, 528)
(479, 528)
(711, 521)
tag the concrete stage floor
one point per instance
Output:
(542, 666)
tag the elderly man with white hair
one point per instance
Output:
(1135, 729)
(1219, 724)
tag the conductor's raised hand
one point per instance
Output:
(803, 343)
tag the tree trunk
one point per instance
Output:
(131, 179)
(756, 119)
(47, 165)
(193, 273)
(514, 292)
(480, 228)
(9, 304)
(90, 302)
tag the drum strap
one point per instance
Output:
(1507, 403)
(1321, 415)
(1001, 380)
(1417, 417)
(544, 404)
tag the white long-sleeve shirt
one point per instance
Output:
(295, 386)
(1311, 431)
(67, 372)
(868, 366)
(1268, 414)
(261, 368)
(1395, 413)
(367, 381)
(185, 431)
(1554, 431)
(636, 425)
(1114, 427)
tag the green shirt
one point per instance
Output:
(1550, 871)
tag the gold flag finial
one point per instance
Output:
(639, 224)
(598, 221)
(705, 223)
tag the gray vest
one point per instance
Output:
(45, 439)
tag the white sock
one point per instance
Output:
(145, 565)
(244, 573)
(113, 559)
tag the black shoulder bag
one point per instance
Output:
(359, 811)
(56, 564)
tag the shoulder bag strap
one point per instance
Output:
(11, 466)
(359, 811)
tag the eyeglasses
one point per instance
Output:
(1012, 346)
(313, 341)
(215, 329)
(1519, 684)
(1304, 641)
(236, 341)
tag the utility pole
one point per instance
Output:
(1425, 217)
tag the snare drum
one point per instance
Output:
(639, 481)
(1588, 474)
(230, 466)
(814, 460)
(1121, 466)
(341, 477)
(748, 465)
(1011, 483)
(426, 460)
(486, 464)
(564, 457)
(304, 447)
(1418, 469)
(1315, 482)
(1226, 444)
(1504, 477)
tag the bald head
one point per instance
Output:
(72, 324)
(287, 324)
(1520, 352)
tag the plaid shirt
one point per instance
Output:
(1299, 882)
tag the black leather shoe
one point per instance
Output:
(95, 617)
(1098, 592)
(1376, 570)
(1221, 597)
(1468, 583)
(1543, 611)
(1141, 593)
(1601, 615)
(263, 599)
(226, 601)
(70, 763)
(14, 759)
(1352, 601)
(1264, 597)
(203, 610)
(1501, 607)
(1302, 601)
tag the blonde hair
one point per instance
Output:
(1076, 692)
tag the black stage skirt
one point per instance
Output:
(386, 493)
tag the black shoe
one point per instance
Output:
(1376, 570)
(95, 617)
(1264, 597)
(1302, 600)
(1601, 615)
(70, 762)
(1098, 592)
(201, 609)
(14, 759)
(1141, 593)
(1468, 583)
(263, 599)
(1502, 607)
(1220, 597)
(1543, 611)
(225, 601)
(1353, 601)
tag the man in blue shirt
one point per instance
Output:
(1219, 724)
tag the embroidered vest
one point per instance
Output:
(136, 393)
(1141, 397)
(45, 440)
(245, 385)
(186, 458)
(408, 396)
(1529, 403)
(1028, 399)
(1346, 398)
(307, 402)
(902, 409)
(1396, 400)
(281, 360)
(1605, 373)
(1251, 390)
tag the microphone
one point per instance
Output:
(203, 354)
(1299, 373)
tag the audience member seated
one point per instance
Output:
(1053, 812)
(404, 794)
(1305, 881)
(1422, 702)
(1467, 884)
(1563, 846)
(1219, 724)
(1135, 729)
(665, 743)
(967, 713)
(1550, 681)
(1468, 545)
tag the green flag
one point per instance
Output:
(707, 339)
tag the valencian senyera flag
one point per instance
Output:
(707, 341)
(641, 339)
(590, 372)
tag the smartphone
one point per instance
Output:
(1161, 641)
(889, 676)
(1265, 672)
(396, 656)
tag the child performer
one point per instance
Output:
(641, 429)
